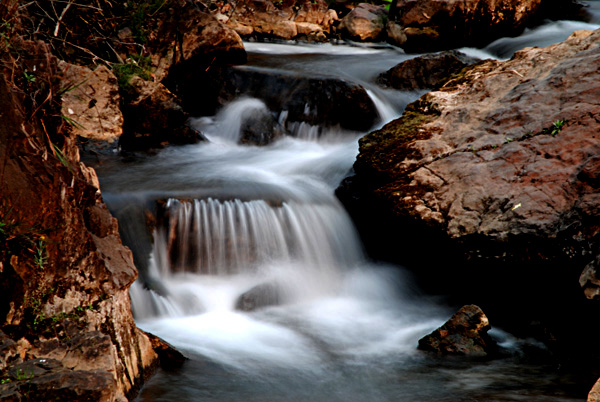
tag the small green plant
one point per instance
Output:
(135, 65)
(40, 257)
(5, 381)
(5, 29)
(508, 140)
(556, 127)
(29, 77)
(22, 375)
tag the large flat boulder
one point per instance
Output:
(490, 184)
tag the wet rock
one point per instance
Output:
(428, 71)
(366, 22)
(314, 100)
(465, 333)
(154, 118)
(497, 172)
(92, 102)
(260, 129)
(445, 24)
(260, 296)
(170, 358)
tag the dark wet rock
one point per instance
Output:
(154, 118)
(366, 22)
(425, 72)
(260, 129)
(496, 172)
(445, 24)
(267, 294)
(170, 358)
(465, 333)
(314, 100)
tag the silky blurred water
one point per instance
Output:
(241, 216)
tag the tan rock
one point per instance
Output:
(364, 22)
(92, 102)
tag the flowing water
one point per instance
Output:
(242, 218)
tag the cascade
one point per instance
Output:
(238, 217)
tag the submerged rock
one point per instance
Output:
(316, 100)
(425, 72)
(267, 294)
(465, 333)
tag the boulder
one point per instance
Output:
(267, 294)
(317, 100)
(496, 171)
(445, 24)
(91, 102)
(154, 117)
(465, 333)
(366, 22)
(425, 72)
(65, 271)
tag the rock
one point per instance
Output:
(260, 129)
(395, 33)
(267, 294)
(497, 172)
(314, 100)
(8, 351)
(465, 333)
(78, 288)
(594, 395)
(291, 20)
(154, 118)
(92, 102)
(47, 380)
(188, 41)
(366, 22)
(428, 71)
(170, 358)
(444, 24)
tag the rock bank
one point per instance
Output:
(493, 175)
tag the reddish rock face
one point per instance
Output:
(64, 274)
(443, 24)
(488, 186)
(465, 333)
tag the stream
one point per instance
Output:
(336, 326)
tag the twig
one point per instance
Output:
(62, 14)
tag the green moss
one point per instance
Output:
(382, 150)
(136, 65)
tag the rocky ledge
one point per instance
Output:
(488, 188)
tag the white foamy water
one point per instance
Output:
(239, 217)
